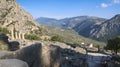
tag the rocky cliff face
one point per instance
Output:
(17, 20)
(108, 29)
(85, 27)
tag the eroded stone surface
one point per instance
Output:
(12, 63)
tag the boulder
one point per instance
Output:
(3, 37)
(51, 56)
(14, 45)
(3, 41)
(6, 45)
(12, 63)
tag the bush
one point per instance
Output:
(4, 30)
(57, 38)
(113, 44)
(32, 37)
(76, 43)
(3, 46)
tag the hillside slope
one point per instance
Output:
(70, 36)
(107, 30)
(16, 19)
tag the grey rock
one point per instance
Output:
(4, 38)
(14, 45)
(12, 63)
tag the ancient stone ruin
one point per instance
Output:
(36, 55)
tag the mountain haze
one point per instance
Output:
(68, 23)
(49, 22)
(91, 27)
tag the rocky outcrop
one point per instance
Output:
(12, 63)
(16, 20)
(14, 45)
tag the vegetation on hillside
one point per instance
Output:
(113, 44)
(69, 36)
(32, 37)
(57, 38)
(3, 46)
(4, 30)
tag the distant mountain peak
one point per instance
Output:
(108, 29)
(117, 17)
(90, 26)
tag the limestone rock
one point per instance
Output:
(12, 63)
(16, 19)
(14, 45)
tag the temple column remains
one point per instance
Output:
(23, 36)
(16, 35)
(12, 34)
(19, 35)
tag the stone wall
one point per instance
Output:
(36, 55)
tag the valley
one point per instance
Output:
(88, 26)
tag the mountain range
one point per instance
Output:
(96, 28)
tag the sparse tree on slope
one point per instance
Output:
(113, 44)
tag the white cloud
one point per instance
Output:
(104, 5)
(116, 1)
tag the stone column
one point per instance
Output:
(19, 35)
(23, 36)
(12, 34)
(16, 35)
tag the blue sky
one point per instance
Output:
(70, 8)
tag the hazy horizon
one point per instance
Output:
(70, 8)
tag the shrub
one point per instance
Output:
(32, 37)
(3, 46)
(57, 38)
(76, 43)
(113, 44)
(4, 30)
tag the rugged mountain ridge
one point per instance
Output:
(68, 23)
(99, 29)
(108, 29)
(84, 25)
(93, 27)
(49, 21)
(81, 20)
(16, 19)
